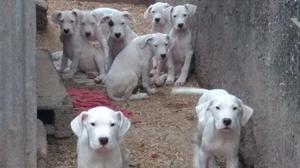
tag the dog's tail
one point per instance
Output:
(188, 90)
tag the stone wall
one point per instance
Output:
(251, 48)
(17, 88)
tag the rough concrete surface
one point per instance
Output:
(18, 86)
(52, 95)
(178, 2)
(251, 48)
(42, 145)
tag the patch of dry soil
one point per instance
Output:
(163, 138)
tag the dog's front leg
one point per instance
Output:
(203, 159)
(74, 65)
(232, 162)
(104, 45)
(171, 70)
(64, 62)
(146, 78)
(100, 62)
(185, 69)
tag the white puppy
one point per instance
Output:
(99, 131)
(76, 47)
(120, 32)
(181, 51)
(220, 117)
(160, 15)
(133, 63)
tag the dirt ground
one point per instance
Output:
(163, 138)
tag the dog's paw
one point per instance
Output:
(100, 78)
(151, 91)
(159, 82)
(153, 72)
(179, 82)
(67, 75)
(170, 81)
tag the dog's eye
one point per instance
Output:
(72, 21)
(153, 11)
(93, 124)
(174, 16)
(111, 23)
(234, 108)
(217, 107)
(166, 44)
(122, 23)
(112, 124)
(185, 15)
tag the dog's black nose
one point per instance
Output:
(180, 25)
(88, 34)
(227, 121)
(66, 30)
(157, 20)
(117, 35)
(103, 140)
(163, 55)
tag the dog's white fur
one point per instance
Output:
(133, 63)
(216, 136)
(181, 51)
(159, 13)
(70, 37)
(119, 27)
(85, 57)
(93, 126)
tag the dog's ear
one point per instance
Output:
(77, 124)
(56, 16)
(98, 16)
(191, 8)
(247, 112)
(145, 41)
(124, 124)
(77, 13)
(166, 5)
(147, 12)
(105, 19)
(202, 111)
(171, 14)
(127, 15)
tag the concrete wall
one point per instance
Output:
(252, 49)
(179, 2)
(17, 86)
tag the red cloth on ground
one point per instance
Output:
(84, 99)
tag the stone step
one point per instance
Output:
(54, 106)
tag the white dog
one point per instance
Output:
(160, 15)
(120, 32)
(181, 51)
(70, 37)
(220, 117)
(99, 131)
(76, 47)
(133, 63)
